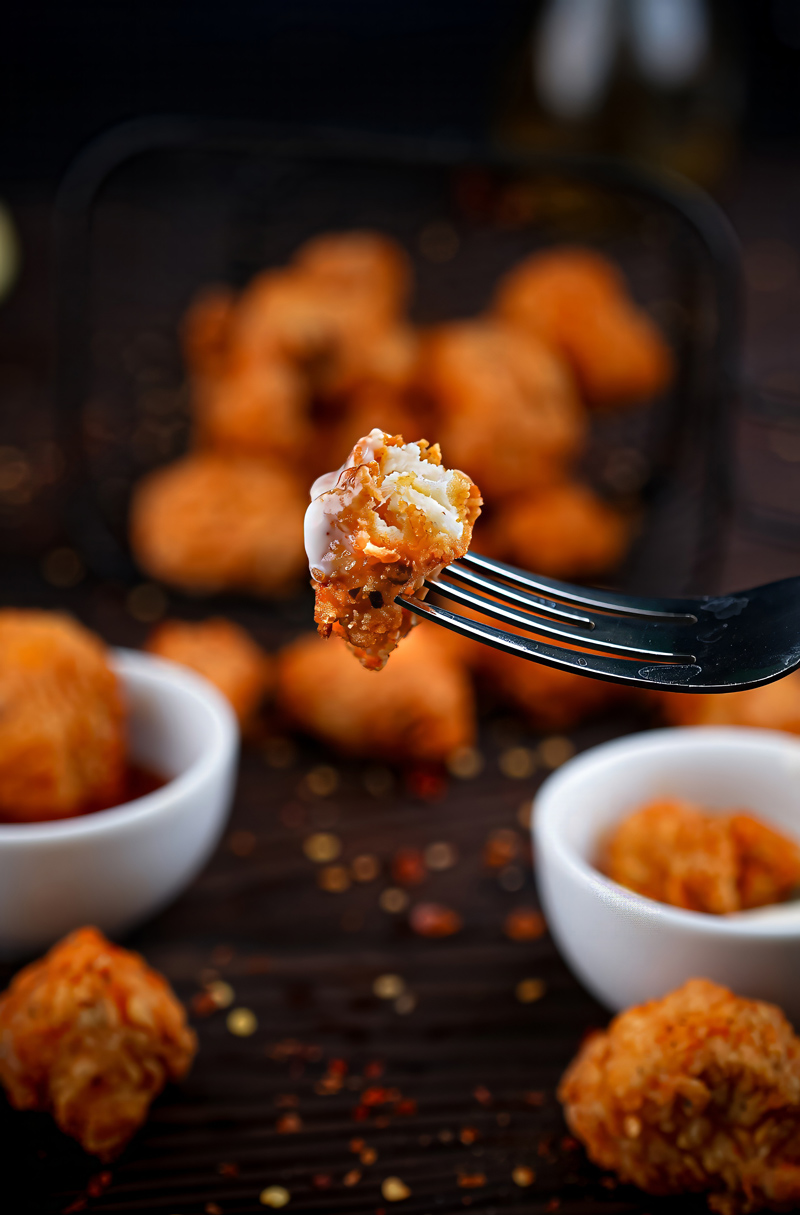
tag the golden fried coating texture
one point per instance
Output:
(696, 1092)
(422, 708)
(676, 853)
(211, 522)
(204, 331)
(550, 699)
(256, 409)
(577, 301)
(509, 409)
(91, 1034)
(360, 262)
(221, 651)
(564, 531)
(62, 728)
(775, 706)
(376, 529)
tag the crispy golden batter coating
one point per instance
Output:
(91, 1034)
(577, 302)
(550, 699)
(256, 409)
(510, 412)
(422, 708)
(376, 529)
(676, 853)
(564, 531)
(62, 727)
(211, 522)
(775, 706)
(696, 1092)
(221, 651)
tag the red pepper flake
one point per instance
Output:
(609, 1183)
(482, 1094)
(321, 1181)
(408, 867)
(327, 1085)
(468, 1134)
(434, 920)
(429, 784)
(406, 1108)
(228, 1169)
(501, 847)
(360, 1113)
(203, 1004)
(337, 1067)
(569, 1144)
(357, 1145)
(374, 1096)
(368, 1155)
(287, 1101)
(471, 1181)
(79, 1204)
(352, 1178)
(374, 1069)
(524, 924)
(212, 1208)
(289, 1124)
(523, 1176)
(534, 1097)
(98, 1183)
(553, 1204)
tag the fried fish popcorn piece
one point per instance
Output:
(361, 262)
(62, 727)
(676, 853)
(258, 409)
(421, 709)
(775, 706)
(91, 1034)
(221, 651)
(697, 1092)
(509, 409)
(212, 521)
(577, 301)
(377, 528)
(563, 531)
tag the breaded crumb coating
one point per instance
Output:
(62, 727)
(421, 709)
(676, 853)
(377, 528)
(213, 522)
(221, 651)
(91, 1034)
(697, 1092)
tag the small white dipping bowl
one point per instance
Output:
(116, 867)
(625, 948)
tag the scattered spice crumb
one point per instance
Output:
(212, 1208)
(274, 1196)
(394, 1190)
(471, 1181)
(374, 1069)
(202, 1004)
(405, 1003)
(428, 784)
(445, 1136)
(322, 847)
(388, 987)
(440, 856)
(97, 1184)
(334, 879)
(501, 847)
(465, 763)
(528, 991)
(482, 1094)
(289, 1124)
(365, 868)
(352, 1178)
(368, 1155)
(321, 1181)
(287, 1101)
(228, 1168)
(406, 1108)
(553, 1204)
(468, 1134)
(555, 751)
(524, 924)
(609, 1183)
(242, 843)
(434, 920)
(408, 867)
(221, 993)
(393, 899)
(322, 781)
(242, 1022)
(523, 1176)
(357, 1145)
(517, 763)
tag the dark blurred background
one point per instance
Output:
(708, 88)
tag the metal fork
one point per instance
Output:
(722, 644)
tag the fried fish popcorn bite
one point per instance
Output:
(62, 726)
(257, 409)
(211, 521)
(91, 1034)
(221, 651)
(422, 708)
(577, 301)
(390, 518)
(676, 853)
(697, 1092)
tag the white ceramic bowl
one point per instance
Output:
(116, 867)
(626, 948)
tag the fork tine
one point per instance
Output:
(471, 565)
(535, 624)
(602, 666)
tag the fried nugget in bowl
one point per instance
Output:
(210, 522)
(222, 652)
(562, 531)
(376, 529)
(698, 1092)
(62, 725)
(420, 708)
(509, 409)
(578, 302)
(775, 706)
(91, 1034)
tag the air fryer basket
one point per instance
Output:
(158, 209)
